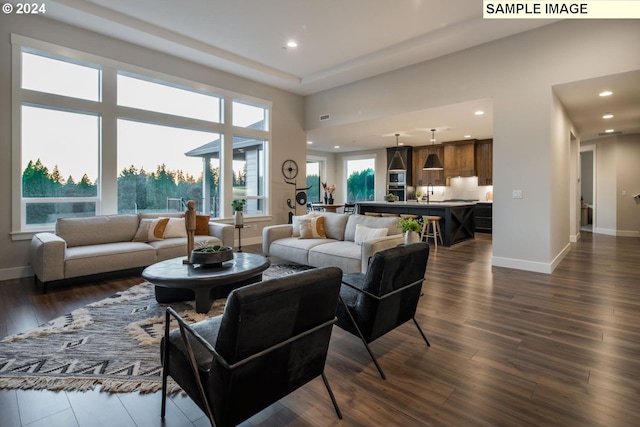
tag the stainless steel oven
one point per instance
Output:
(397, 190)
(396, 178)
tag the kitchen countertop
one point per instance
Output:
(432, 203)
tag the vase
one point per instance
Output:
(330, 199)
(411, 237)
(326, 199)
(238, 218)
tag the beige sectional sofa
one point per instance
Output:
(343, 246)
(99, 244)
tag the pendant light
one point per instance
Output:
(433, 162)
(397, 164)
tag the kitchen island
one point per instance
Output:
(457, 221)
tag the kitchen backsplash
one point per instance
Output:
(464, 188)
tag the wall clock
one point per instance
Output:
(290, 169)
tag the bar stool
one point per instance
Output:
(409, 216)
(373, 213)
(431, 228)
(390, 214)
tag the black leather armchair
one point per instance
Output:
(272, 338)
(386, 296)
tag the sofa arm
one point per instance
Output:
(370, 247)
(223, 232)
(46, 256)
(272, 233)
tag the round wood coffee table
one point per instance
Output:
(175, 281)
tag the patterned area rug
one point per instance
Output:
(114, 343)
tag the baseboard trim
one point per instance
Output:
(520, 264)
(15, 273)
(536, 267)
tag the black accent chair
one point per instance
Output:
(272, 338)
(386, 296)
(349, 208)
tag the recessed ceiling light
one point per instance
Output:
(479, 113)
(309, 142)
(607, 116)
(606, 93)
(467, 136)
(336, 146)
(292, 43)
(609, 131)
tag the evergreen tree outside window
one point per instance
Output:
(360, 179)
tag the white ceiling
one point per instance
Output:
(338, 42)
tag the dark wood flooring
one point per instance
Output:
(509, 348)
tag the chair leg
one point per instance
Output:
(420, 330)
(165, 363)
(353, 321)
(333, 398)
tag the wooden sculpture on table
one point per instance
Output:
(190, 225)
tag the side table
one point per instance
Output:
(240, 227)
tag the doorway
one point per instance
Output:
(587, 188)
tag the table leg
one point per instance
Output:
(203, 302)
(239, 239)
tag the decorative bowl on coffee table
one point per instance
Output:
(211, 256)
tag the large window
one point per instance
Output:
(59, 164)
(313, 180)
(360, 179)
(159, 167)
(99, 137)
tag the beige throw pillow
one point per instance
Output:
(151, 229)
(296, 220)
(175, 228)
(312, 228)
(365, 233)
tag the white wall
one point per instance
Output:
(518, 73)
(617, 180)
(628, 185)
(289, 138)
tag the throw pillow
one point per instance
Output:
(365, 233)
(295, 222)
(202, 225)
(312, 228)
(151, 229)
(175, 228)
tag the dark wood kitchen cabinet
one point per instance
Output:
(484, 161)
(423, 177)
(459, 158)
(484, 217)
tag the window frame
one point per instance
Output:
(109, 112)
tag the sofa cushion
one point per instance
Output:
(342, 254)
(334, 225)
(364, 233)
(96, 230)
(92, 259)
(294, 249)
(312, 228)
(151, 230)
(390, 223)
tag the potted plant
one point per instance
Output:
(209, 255)
(391, 197)
(411, 228)
(238, 217)
(418, 195)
